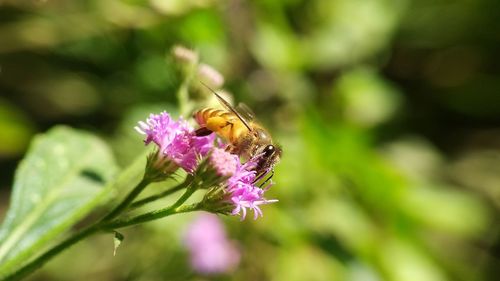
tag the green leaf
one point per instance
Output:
(60, 181)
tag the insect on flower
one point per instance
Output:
(246, 137)
(233, 187)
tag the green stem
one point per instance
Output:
(165, 193)
(126, 202)
(174, 209)
(152, 216)
(189, 191)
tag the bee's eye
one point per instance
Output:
(269, 150)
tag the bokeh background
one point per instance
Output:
(388, 112)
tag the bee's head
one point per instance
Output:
(271, 151)
(270, 156)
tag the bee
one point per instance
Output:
(246, 137)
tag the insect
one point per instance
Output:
(246, 137)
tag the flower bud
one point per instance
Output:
(184, 54)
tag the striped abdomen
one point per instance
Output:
(222, 122)
(201, 116)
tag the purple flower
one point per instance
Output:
(210, 250)
(203, 145)
(224, 162)
(243, 193)
(175, 140)
(211, 75)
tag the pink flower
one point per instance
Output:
(210, 75)
(224, 162)
(161, 129)
(175, 140)
(210, 250)
(243, 193)
(203, 145)
(184, 54)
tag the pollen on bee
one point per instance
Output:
(238, 130)
(216, 123)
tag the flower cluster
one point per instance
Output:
(178, 145)
(210, 250)
(243, 191)
(176, 140)
(240, 190)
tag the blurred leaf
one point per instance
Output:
(202, 25)
(416, 157)
(152, 73)
(369, 99)
(480, 171)
(15, 130)
(351, 31)
(353, 227)
(403, 260)
(59, 182)
(277, 48)
(457, 212)
(314, 265)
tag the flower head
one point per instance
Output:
(239, 192)
(210, 75)
(210, 250)
(175, 140)
(224, 162)
(184, 54)
(244, 193)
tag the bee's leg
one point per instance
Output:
(231, 149)
(263, 184)
(202, 132)
(230, 124)
(263, 174)
(259, 177)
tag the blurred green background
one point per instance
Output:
(388, 112)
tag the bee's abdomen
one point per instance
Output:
(203, 115)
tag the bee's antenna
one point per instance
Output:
(228, 106)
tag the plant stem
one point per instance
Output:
(173, 209)
(126, 202)
(189, 191)
(154, 215)
(165, 193)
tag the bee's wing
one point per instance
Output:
(229, 107)
(245, 112)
